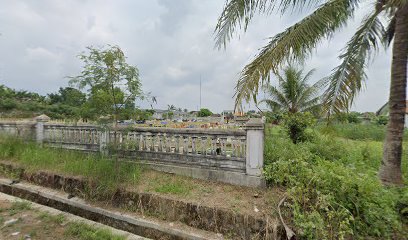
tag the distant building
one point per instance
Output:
(384, 110)
(163, 114)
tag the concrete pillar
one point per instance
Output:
(254, 146)
(39, 127)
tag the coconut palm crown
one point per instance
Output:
(293, 93)
(346, 80)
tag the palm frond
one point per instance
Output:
(276, 95)
(293, 93)
(237, 14)
(271, 104)
(347, 79)
(295, 43)
(389, 33)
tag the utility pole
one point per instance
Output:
(200, 91)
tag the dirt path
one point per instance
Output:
(26, 220)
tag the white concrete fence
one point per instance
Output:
(233, 156)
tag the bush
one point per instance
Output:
(332, 187)
(353, 117)
(273, 117)
(381, 120)
(296, 124)
(204, 112)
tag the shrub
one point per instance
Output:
(296, 124)
(273, 117)
(332, 187)
(204, 112)
(381, 120)
(353, 117)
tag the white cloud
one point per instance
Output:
(171, 42)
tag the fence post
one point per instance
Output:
(254, 146)
(39, 127)
(103, 141)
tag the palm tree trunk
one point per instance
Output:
(390, 170)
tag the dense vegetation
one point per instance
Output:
(109, 175)
(67, 103)
(332, 185)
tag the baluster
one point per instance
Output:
(92, 136)
(203, 145)
(193, 145)
(52, 134)
(142, 143)
(168, 140)
(153, 142)
(213, 146)
(160, 147)
(83, 138)
(185, 147)
(135, 142)
(177, 139)
(234, 147)
(89, 135)
(223, 146)
(243, 148)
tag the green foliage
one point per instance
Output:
(19, 206)
(62, 105)
(381, 120)
(357, 131)
(296, 124)
(293, 93)
(273, 117)
(82, 231)
(107, 173)
(143, 114)
(204, 112)
(170, 115)
(68, 96)
(112, 82)
(333, 190)
(344, 117)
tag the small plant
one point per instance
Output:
(82, 231)
(296, 125)
(49, 218)
(19, 206)
(381, 120)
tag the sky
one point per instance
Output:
(170, 41)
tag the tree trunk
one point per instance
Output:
(390, 170)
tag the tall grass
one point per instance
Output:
(356, 131)
(108, 173)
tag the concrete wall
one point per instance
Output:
(221, 155)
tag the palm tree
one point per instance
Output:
(297, 42)
(293, 93)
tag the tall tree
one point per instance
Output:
(293, 93)
(111, 82)
(346, 80)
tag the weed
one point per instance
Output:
(82, 231)
(95, 167)
(332, 185)
(49, 218)
(176, 187)
(19, 206)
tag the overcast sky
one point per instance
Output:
(170, 41)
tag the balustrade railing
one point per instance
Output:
(233, 150)
(181, 141)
